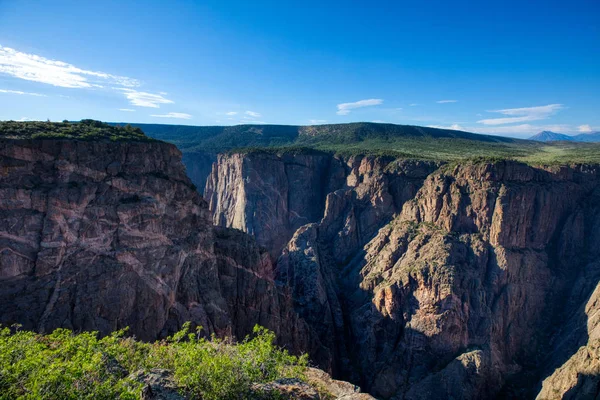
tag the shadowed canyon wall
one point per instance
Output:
(414, 279)
(100, 236)
(421, 281)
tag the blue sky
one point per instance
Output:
(510, 68)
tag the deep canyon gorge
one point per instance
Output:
(414, 279)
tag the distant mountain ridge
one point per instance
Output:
(549, 136)
(201, 144)
(588, 137)
(225, 138)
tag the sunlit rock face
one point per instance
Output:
(429, 281)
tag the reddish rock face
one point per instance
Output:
(102, 236)
(454, 283)
(412, 279)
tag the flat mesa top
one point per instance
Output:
(90, 130)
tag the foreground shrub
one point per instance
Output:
(64, 365)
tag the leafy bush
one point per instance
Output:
(64, 365)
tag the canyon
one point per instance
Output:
(103, 236)
(430, 280)
(414, 279)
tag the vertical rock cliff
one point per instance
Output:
(104, 235)
(269, 195)
(465, 281)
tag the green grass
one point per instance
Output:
(84, 130)
(64, 365)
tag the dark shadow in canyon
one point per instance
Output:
(587, 388)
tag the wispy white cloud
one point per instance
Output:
(127, 109)
(446, 101)
(317, 121)
(23, 119)
(253, 114)
(413, 104)
(144, 99)
(524, 114)
(378, 121)
(344, 108)
(22, 93)
(584, 128)
(32, 67)
(35, 68)
(454, 127)
(175, 115)
(231, 113)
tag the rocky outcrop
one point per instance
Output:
(317, 385)
(270, 195)
(374, 190)
(446, 284)
(106, 235)
(454, 298)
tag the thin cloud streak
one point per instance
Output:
(453, 127)
(524, 114)
(144, 99)
(345, 108)
(175, 115)
(22, 93)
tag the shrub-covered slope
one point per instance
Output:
(64, 365)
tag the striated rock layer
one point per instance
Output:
(473, 281)
(100, 236)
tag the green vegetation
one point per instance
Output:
(372, 139)
(64, 365)
(86, 129)
(404, 141)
